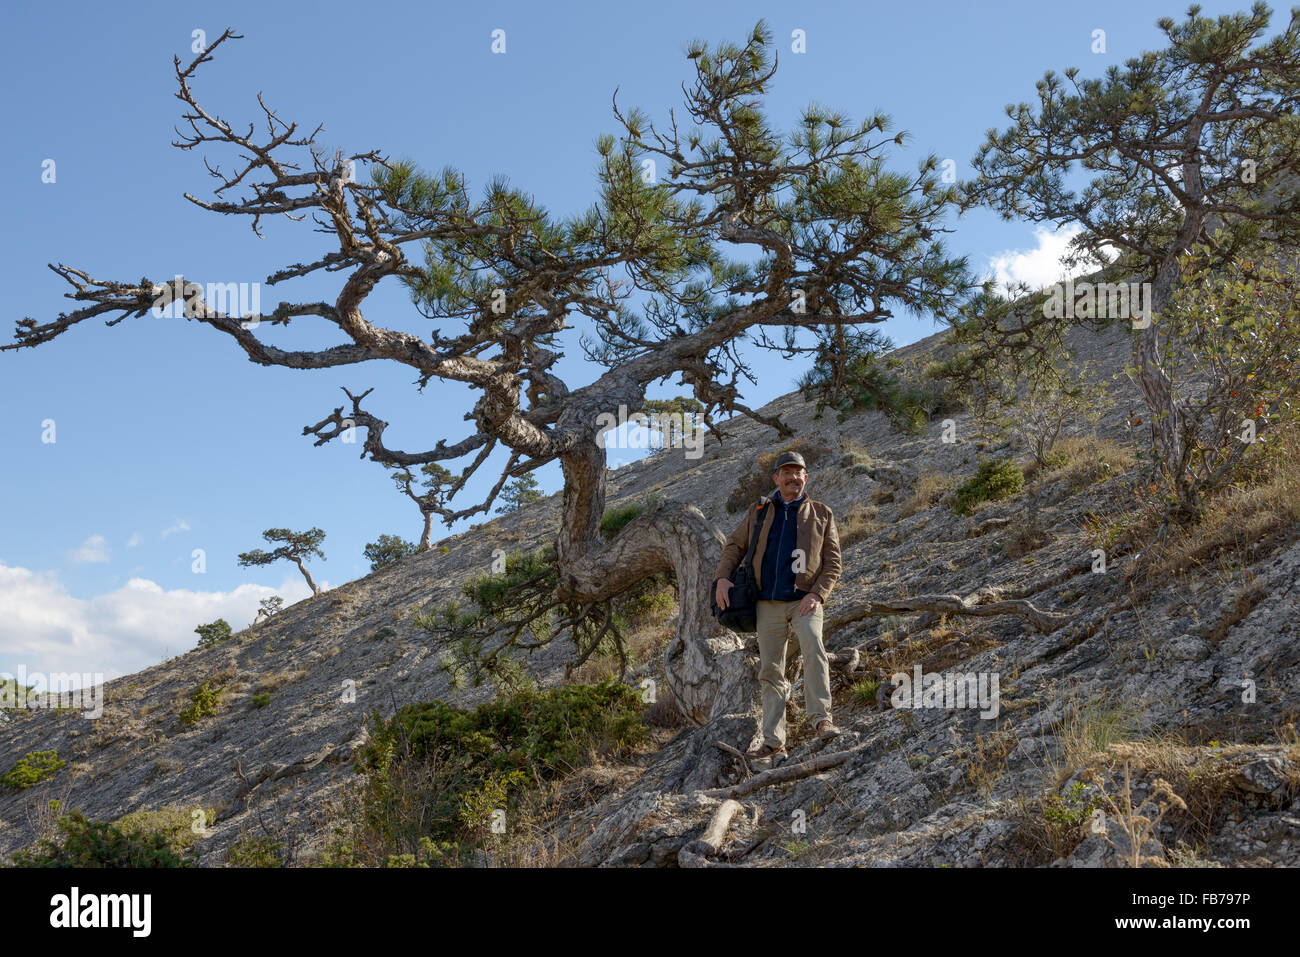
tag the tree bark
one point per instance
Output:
(1152, 379)
(307, 575)
(426, 539)
(584, 502)
(705, 665)
(707, 669)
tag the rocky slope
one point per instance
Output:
(1152, 669)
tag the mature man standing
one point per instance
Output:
(797, 563)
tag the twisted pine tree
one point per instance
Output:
(707, 230)
(437, 483)
(298, 548)
(1195, 145)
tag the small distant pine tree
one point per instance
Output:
(268, 607)
(664, 420)
(389, 550)
(436, 484)
(297, 547)
(519, 493)
(213, 633)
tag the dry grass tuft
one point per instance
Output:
(1241, 524)
(860, 522)
(1079, 461)
(277, 680)
(928, 492)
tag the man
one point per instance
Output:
(797, 563)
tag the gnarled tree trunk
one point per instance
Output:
(307, 575)
(708, 671)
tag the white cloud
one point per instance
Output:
(123, 631)
(93, 549)
(135, 540)
(1040, 266)
(180, 525)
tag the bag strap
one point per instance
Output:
(753, 536)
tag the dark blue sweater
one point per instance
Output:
(778, 554)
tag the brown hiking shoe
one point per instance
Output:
(825, 729)
(766, 754)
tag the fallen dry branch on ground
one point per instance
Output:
(1043, 621)
(787, 772)
(696, 853)
(744, 762)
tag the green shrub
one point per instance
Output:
(548, 732)
(1071, 810)
(213, 633)
(614, 520)
(994, 479)
(262, 700)
(255, 852)
(389, 550)
(32, 768)
(204, 702)
(436, 772)
(175, 824)
(85, 843)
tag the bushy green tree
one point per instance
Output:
(31, 769)
(270, 607)
(1234, 346)
(672, 418)
(435, 484)
(389, 550)
(519, 493)
(1194, 143)
(213, 633)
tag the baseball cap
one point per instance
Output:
(789, 458)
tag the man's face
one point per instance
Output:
(790, 480)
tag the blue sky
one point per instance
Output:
(169, 440)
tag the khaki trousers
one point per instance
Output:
(774, 618)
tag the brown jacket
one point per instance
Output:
(815, 534)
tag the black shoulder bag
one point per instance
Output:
(741, 613)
